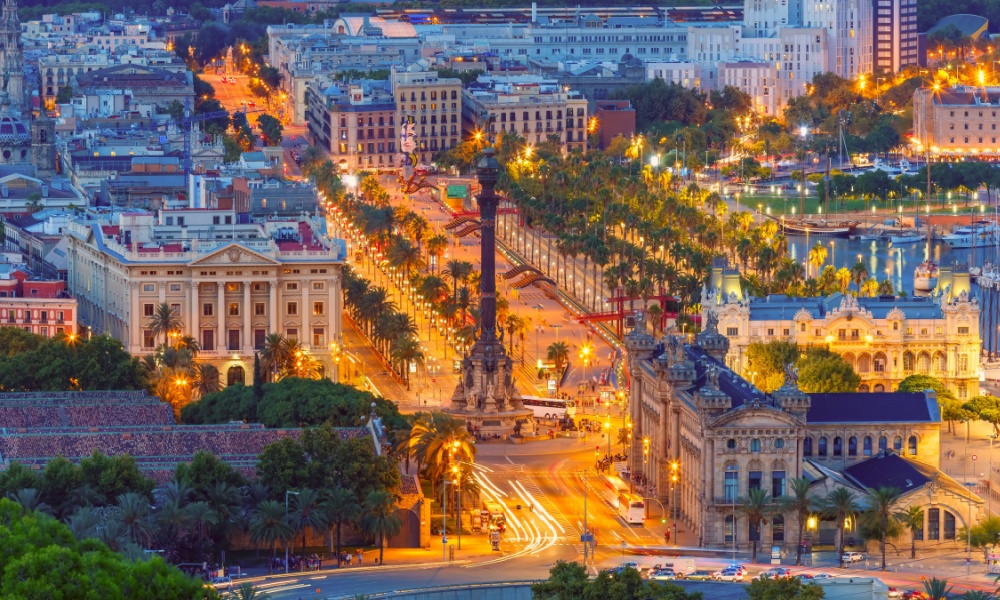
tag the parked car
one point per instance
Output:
(853, 557)
(804, 577)
(894, 592)
(728, 575)
(697, 576)
(625, 565)
(822, 576)
(741, 568)
(660, 574)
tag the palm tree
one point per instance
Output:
(405, 255)
(800, 504)
(437, 437)
(274, 356)
(558, 352)
(405, 351)
(435, 247)
(937, 589)
(755, 506)
(269, 526)
(206, 379)
(247, 591)
(978, 595)
(913, 519)
(379, 519)
(817, 256)
(201, 519)
(458, 270)
(869, 288)
(309, 513)
(30, 500)
(133, 512)
(341, 507)
(881, 513)
(859, 274)
(434, 289)
(164, 320)
(84, 522)
(840, 505)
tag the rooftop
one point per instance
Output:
(779, 307)
(874, 407)
(891, 470)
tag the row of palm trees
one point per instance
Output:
(189, 522)
(878, 515)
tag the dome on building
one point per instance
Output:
(13, 131)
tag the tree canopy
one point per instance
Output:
(821, 370)
(767, 360)
(570, 581)
(292, 402)
(781, 588)
(40, 558)
(31, 363)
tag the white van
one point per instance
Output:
(680, 565)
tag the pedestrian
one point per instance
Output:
(349, 559)
(361, 556)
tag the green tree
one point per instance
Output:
(341, 508)
(913, 519)
(755, 506)
(175, 109)
(569, 581)
(309, 512)
(379, 519)
(821, 370)
(205, 471)
(985, 535)
(65, 95)
(270, 129)
(799, 503)
(269, 527)
(558, 352)
(164, 320)
(839, 504)
(937, 589)
(985, 407)
(882, 516)
(111, 476)
(780, 588)
(766, 362)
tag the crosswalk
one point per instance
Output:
(567, 529)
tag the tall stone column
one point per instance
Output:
(305, 335)
(247, 312)
(221, 342)
(194, 323)
(273, 308)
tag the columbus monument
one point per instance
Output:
(486, 398)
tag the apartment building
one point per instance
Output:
(433, 104)
(686, 74)
(895, 34)
(42, 307)
(958, 120)
(232, 282)
(355, 123)
(534, 107)
(58, 70)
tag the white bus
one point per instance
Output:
(550, 408)
(632, 508)
(612, 488)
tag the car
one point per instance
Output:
(622, 567)
(774, 573)
(660, 574)
(804, 577)
(894, 592)
(252, 103)
(222, 581)
(741, 568)
(728, 575)
(852, 557)
(697, 576)
(822, 576)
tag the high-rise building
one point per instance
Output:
(895, 34)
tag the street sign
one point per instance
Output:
(444, 539)
(587, 537)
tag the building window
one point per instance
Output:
(838, 446)
(148, 339)
(807, 446)
(755, 445)
(908, 361)
(236, 375)
(259, 309)
(291, 333)
(868, 445)
(317, 308)
(175, 287)
(208, 340)
(291, 286)
(207, 310)
(912, 445)
(949, 525)
(234, 309)
(234, 339)
(852, 446)
(732, 489)
(777, 484)
(897, 444)
(318, 337)
(777, 530)
(754, 480)
(149, 287)
(732, 331)
(883, 444)
(259, 335)
(729, 529)
(821, 450)
(934, 524)
(292, 308)
(147, 310)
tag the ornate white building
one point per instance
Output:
(704, 437)
(232, 283)
(885, 339)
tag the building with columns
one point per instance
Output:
(231, 281)
(885, 339)
(703, 437)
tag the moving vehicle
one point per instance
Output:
(894, 592)
(611, 487)
(631, 508)
(550, 408)
(662, 574)
(741, 568)
(625, 565)
(697, 576)
(728, 575)
(681, 566)
(853, 557)
(774, 573)
(822, 576)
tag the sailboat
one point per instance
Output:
(925, 275)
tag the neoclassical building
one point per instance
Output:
(721, 437)
(885, 339)
(232, 282)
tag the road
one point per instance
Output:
(232, 96)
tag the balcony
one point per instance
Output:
(726, 501)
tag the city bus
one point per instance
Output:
(550, 408)
(631, 508)
(612, 488)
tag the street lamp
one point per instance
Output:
(287, 493)
(674, 470)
